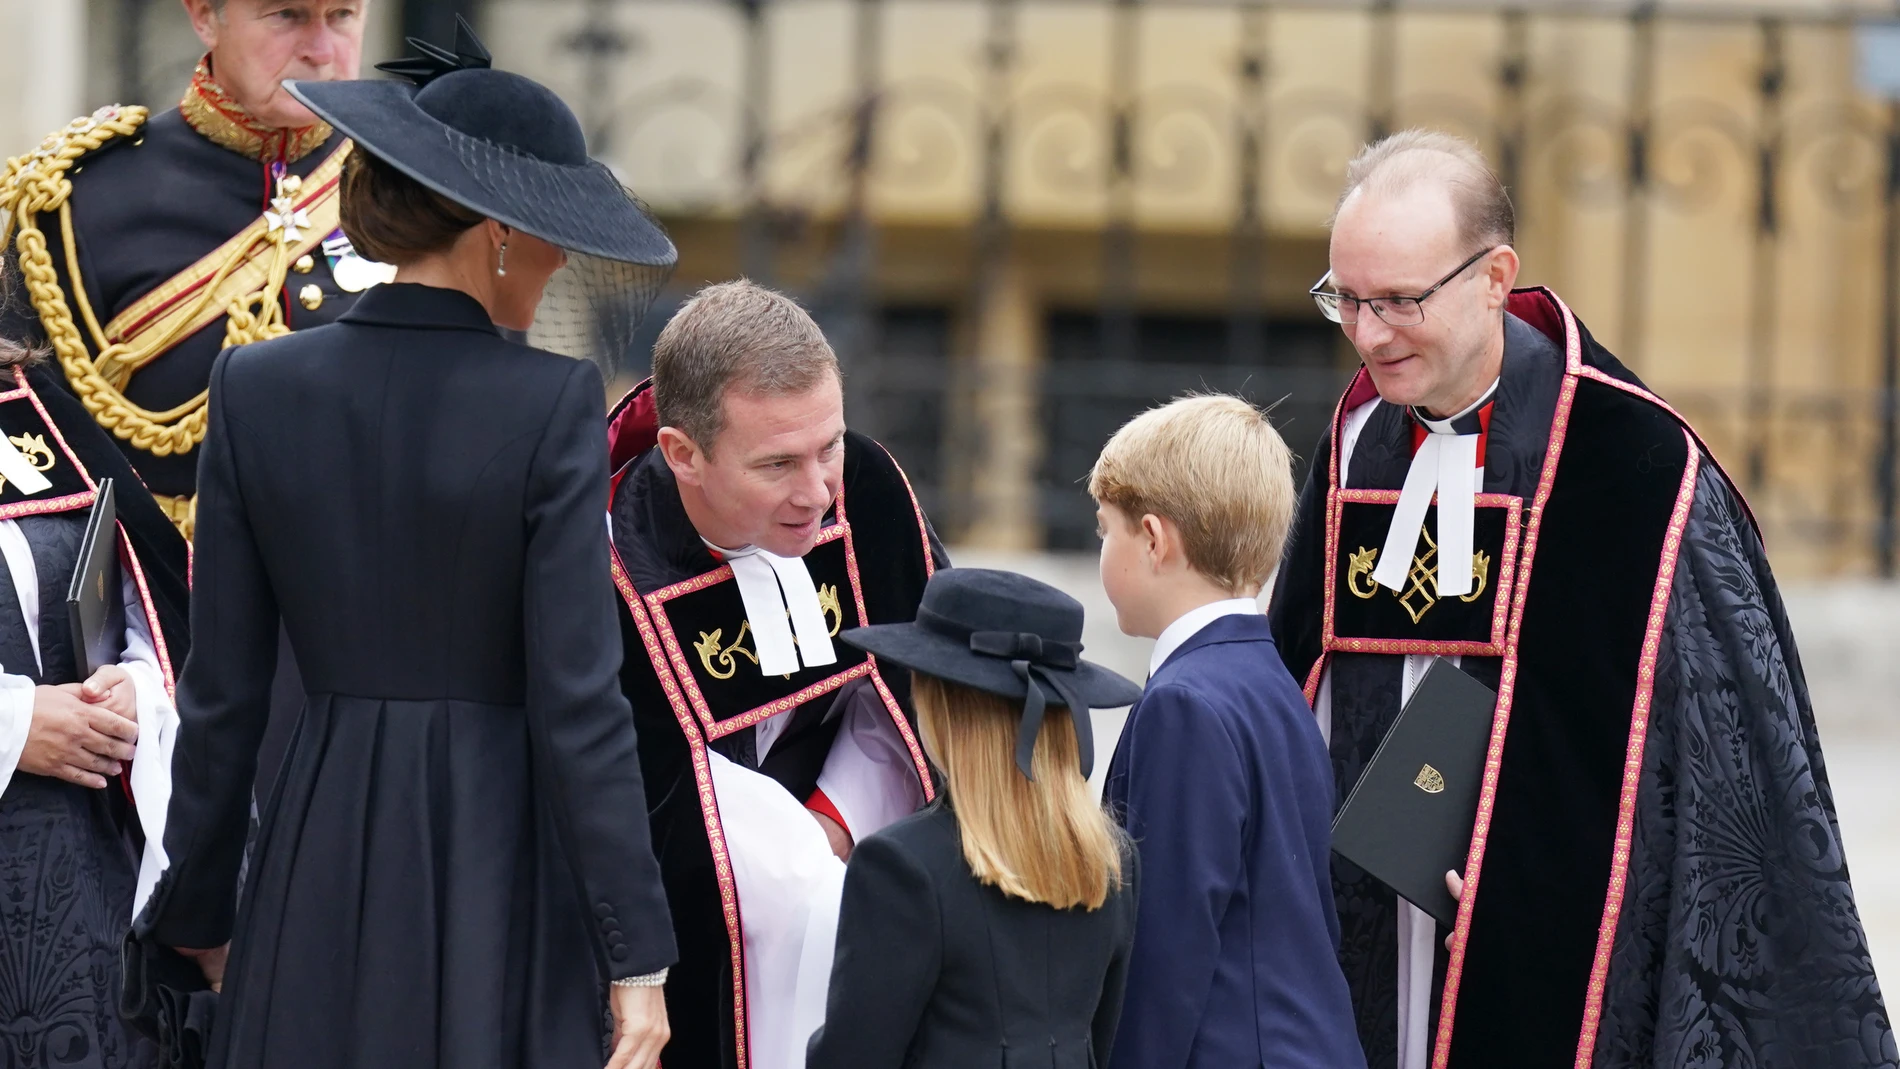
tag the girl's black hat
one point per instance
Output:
(1006, 634)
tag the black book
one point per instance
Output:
(94, 605)
(1408, 819)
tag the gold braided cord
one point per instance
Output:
(38, 183)
(182, 510)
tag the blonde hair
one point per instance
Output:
(1396, 163)
(1213, 466)
(1046, 841)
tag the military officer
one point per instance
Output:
(146, 241)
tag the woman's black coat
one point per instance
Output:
(454, 860)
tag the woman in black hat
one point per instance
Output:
(453, 867)
(993, 925)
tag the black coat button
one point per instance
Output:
(603, 911)
(610, 925)
(618, 953)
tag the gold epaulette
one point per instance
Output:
(246, 293)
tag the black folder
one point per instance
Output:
(94, 605)
(1408, 819)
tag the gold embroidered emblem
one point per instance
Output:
(1429, 780)
(828, 604)
(710, 653)
(1421, 591)
(1360, 566)
(34, 448)
(719, 660)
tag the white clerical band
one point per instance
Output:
(1446, 464)
(780, 600)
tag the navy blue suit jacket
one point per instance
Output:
(1223, 781)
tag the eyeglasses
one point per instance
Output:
(1396, 311)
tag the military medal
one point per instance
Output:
(353, 274)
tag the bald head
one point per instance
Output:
(1417, 161)
(1417, 204)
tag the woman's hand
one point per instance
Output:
(75, 740)
(210, 962)
(111, 687)
(640, 1028)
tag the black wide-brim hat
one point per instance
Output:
(494, 142)
(1005, 634)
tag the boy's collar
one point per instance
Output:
(1190, 623)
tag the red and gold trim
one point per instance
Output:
(1358, 392)
(1633, 759)
(923, 532)
(676, 656)
(63, 503)
(70, 502)
(1634, 390)
(1507, 687)
(210, 110)
(896, 711)
(1337, 499)
(708, 798)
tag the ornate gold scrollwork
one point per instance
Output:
(34, 448)
(1421, 590)
(719, 660)
(829, 605)
(713, 657)
(1480, 575)
(1360, 565)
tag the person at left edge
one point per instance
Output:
(179, 214)
(80, 824)
(454, 869)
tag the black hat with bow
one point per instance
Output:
(494, 142)
(1006, 634)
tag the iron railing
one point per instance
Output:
(1781, 161)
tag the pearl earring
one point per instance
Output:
(501, 259)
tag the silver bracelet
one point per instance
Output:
(652, 979)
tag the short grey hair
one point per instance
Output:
(1396, 163)
(734, 335)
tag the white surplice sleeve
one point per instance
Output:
(16, 691)
(869, 775)
(158, 731)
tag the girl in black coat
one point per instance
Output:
(993, 927)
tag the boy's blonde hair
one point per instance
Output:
(1043, 841)
(1213, 466)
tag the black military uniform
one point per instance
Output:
(146, 244)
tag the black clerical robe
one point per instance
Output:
(1656, 874)
(696, 690)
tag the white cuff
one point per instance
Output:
(16, 718)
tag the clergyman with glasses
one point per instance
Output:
(1656, 873)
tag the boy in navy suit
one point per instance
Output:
(1220, 775)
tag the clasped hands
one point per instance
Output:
(83, 733)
